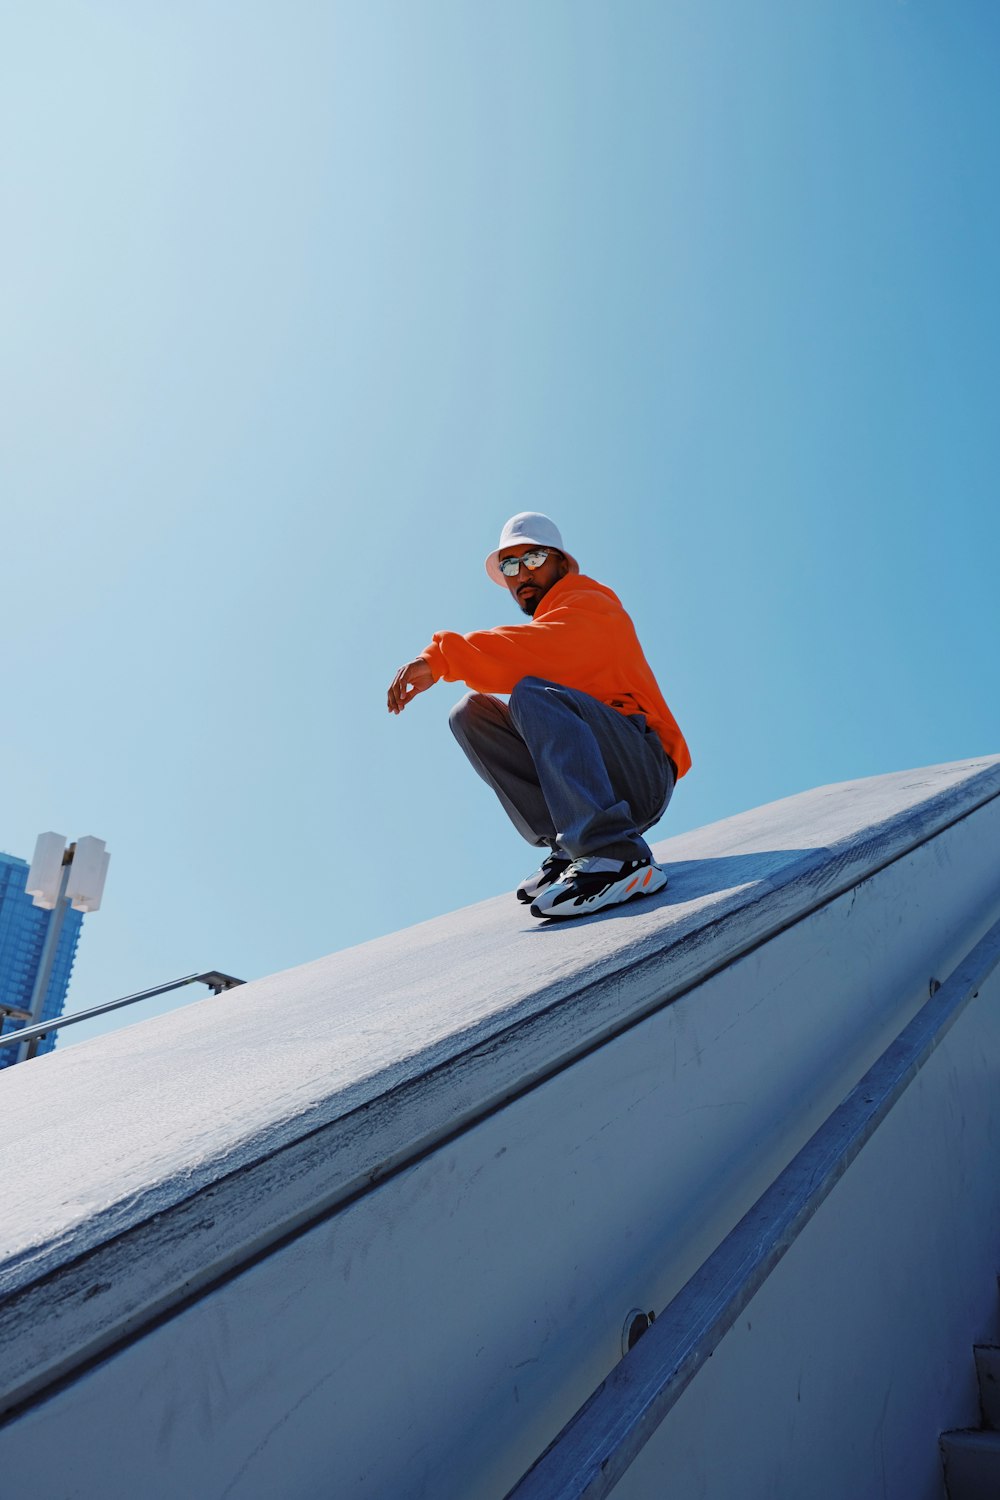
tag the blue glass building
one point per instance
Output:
(22, 933)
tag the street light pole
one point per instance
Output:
(48, 958)
(58, 879)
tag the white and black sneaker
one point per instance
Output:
(548, 871)
(590, 884)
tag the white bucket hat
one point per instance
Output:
(529, 526)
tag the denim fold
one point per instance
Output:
(568, 770)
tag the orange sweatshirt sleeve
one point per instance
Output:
(494, 661)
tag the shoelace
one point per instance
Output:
(592, 865)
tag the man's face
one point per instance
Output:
(530, 585)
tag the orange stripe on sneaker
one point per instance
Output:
(649, 876)
(630, 885)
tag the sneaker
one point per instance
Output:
(549, 870)
(589, 885)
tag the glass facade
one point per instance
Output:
(22, 933)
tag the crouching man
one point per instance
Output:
(585, 755)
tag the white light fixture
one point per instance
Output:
(45, 874)
(87, 874)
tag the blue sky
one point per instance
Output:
(300, 302)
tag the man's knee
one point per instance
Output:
(469, 713)
(534, 698)
(530, 689)
(461, 713)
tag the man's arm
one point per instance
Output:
(575, 633)
(555, 646)
(413, 678)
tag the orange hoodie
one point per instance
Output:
(581, 637)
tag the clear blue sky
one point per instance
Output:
(301, 301)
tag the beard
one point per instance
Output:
(529, 602)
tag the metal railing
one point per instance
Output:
(32, 1035)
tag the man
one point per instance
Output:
(585, 756)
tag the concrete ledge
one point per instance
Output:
(180, 1148)
(971, 1465)
(988, 1374)
(595, 1450)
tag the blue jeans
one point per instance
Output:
(570, 771)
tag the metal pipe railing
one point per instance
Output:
(214, 978)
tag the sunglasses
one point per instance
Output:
(531, 560)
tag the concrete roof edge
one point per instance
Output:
(673, 954)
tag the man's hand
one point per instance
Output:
(416, 677)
